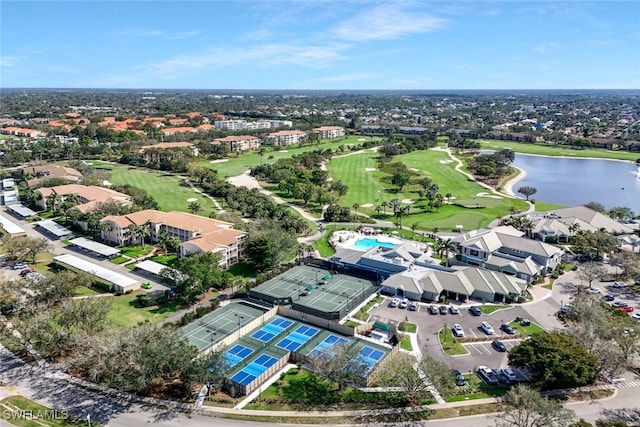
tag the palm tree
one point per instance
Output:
(356, 207)
(378, 209)
(52, 201)
(195, 207)
(105, 227)
(163, 241)
(384, 207)
(444, 247)
(261, 152)
(526, 225)
(574, 228)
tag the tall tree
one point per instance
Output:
(524, 407)
(590, 272)
(556, 360)
(527, 191)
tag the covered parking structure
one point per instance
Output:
(11, 228)
(95, 247)
(52, 228)
(21, 211)
(116, 282)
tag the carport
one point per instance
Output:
(95, 247)
(53, 228)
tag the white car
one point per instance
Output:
(458, 331)
(619, 285)
(413, 306)
(394, 302)
(453, 309)
(593, 290)
(487, 328)
(636, 315)
(404, 303)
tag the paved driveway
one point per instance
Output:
(541, 311)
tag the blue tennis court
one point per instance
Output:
(297, 338)
(271, 329)
(325, 349)
(254, 369)
(370, 356)
(237, 354)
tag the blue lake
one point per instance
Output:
(572, 182)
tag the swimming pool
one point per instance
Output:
(368, 243)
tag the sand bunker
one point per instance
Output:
(369, 169)
(367, 205)
(407, 201)
(414, 169)
(484, 194)
(445, 162)
(192, 199)
(283, 151)
(219, 161)
(362, 139)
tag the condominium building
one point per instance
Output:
(329, 132)
(197, 234)
(237, 143)
(286, 137)
(88, 195)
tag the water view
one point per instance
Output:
(573, 182)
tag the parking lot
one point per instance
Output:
(480, 353)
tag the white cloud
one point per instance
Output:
(387, 21)
(147, 33)
(10, 61)
(547, 47)
(348, 77)
(259, 55)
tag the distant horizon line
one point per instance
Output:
(13, 88)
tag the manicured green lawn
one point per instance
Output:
(526, 331)
(119, 260)
(490, 308)
(405, 343)
(164, 188)
(124, 313)
(366, 188)
(450, 345)
(363, 313)
(408, 327)
(553, 150)
(31, 414)
(82, 291)
(477, 389)
(135, 251)
(237, 165)
(322, 245)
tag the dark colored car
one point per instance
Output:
(460, 381)
(433, 309)
(443, 309)
(507, 329)
(609, 297)
(499, 346)
(474, 311)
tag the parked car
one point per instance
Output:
(394, 302)
(565, 308)
(609, 297)
(443, 309)
(404, 303)
(488, 375)
(508, 375)
(26, 271)
(499, 346)
(626, 309)
(619, 304)
(619, 285)
(453, 309)
(525, 322)
(486, 328)
(594, 290)
(19, 265)
(457, 331)
(460, 380)
(433, 309)
(507, 329)
(636, 316)
(474, 311)
(413, 306)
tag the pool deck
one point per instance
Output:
(345, 239)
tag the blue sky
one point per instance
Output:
(321, 44)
